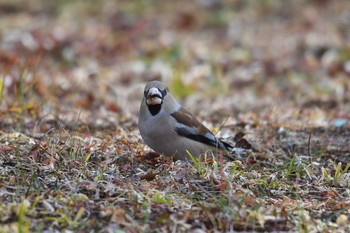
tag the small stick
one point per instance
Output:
(223, 124)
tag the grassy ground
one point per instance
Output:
(71, 80)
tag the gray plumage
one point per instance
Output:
(169, 129)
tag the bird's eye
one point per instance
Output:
(164, 92)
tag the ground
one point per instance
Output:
(269, 76)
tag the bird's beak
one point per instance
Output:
(153, 96)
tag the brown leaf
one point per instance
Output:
(86, 101)
(148, 176)
(238, 136)
(243, 143)
(152, 157)
(6, 148)
(222, 186)
(113, 107)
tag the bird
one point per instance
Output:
(169, 129)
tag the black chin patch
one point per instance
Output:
(154, 109)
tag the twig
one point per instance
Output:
(222, 125)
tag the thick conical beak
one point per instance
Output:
(153, 96)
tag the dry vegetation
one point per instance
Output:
(71, 80)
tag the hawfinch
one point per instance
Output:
(171, 130)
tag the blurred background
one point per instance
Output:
(261, 62)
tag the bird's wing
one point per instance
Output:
(188, 126)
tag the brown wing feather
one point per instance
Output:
(186, 118)
(198, 131)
